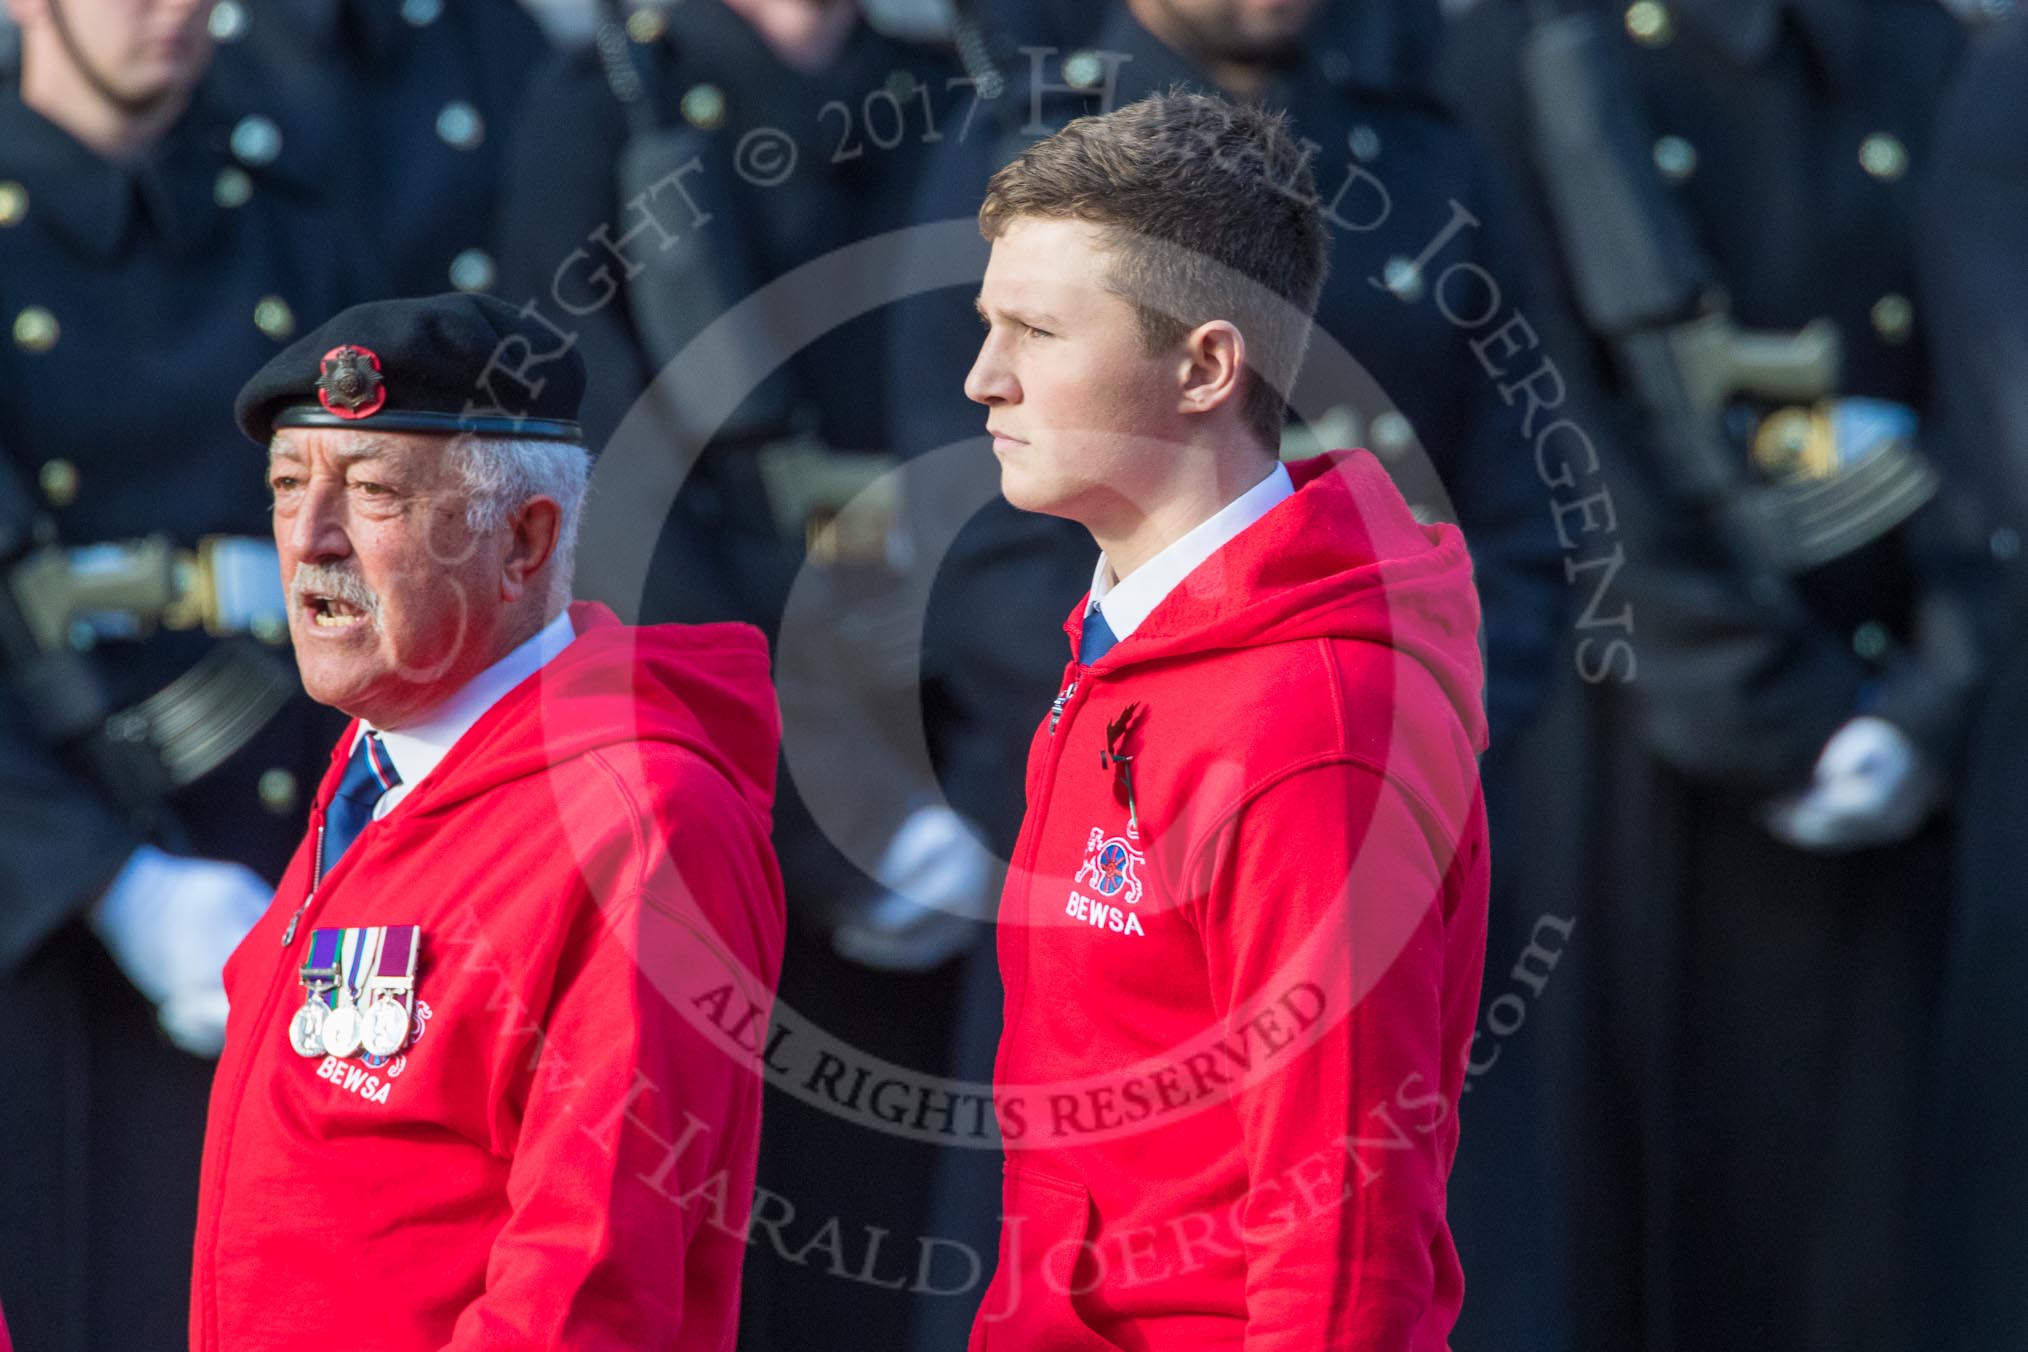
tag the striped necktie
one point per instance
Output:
(369, 774)
(1098, 638)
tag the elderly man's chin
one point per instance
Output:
(340, 668)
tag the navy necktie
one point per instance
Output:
(369, 774)
(1098, 638)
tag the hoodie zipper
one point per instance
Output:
(206, 1243)
(316, 875)
(1056, 708)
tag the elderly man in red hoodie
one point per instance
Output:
(1243, 930)
(489, 1076)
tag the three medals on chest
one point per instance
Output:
(361, 992)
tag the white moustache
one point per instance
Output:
(325, 582)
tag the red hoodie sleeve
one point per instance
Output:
(1334, 877)
(633, 1167)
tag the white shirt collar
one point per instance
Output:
(1130, 600)
(421, 746)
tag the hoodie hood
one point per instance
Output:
(702, 687)
(1340, 558)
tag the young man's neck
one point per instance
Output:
(54, 86)
(1194, 497)
(1241, 79)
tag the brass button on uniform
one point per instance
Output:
(35, 329)
(645, 25)
(459, 125)
(421, 13)
(900, 85)
(704, 106)
(473, 270)
(232, 188)
(58, 481)
(1893, 318)
(1083, 70)
(1871, 640)
(1883, 156)
(1676, 158)
(277, 789)
(13, 203)
(1403, 278)
(227, 21)
(1364, 142)
(1650, 23)
(256, 140)
(273, 317)
(1392, 433)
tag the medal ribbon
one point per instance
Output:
(397, 955)
(323, 960)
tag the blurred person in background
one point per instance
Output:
(1745, 797)
(1973, 269)
(1390, 164)
(637, 219)
(396, 112)
(154, 748)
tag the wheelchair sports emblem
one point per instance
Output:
(1111, 868)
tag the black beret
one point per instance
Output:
(451, 363)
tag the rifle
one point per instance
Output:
(1646, 288)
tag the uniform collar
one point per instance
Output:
(95, 204)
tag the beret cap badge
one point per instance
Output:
(448, 365)
(349, 383)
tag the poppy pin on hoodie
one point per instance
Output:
(1120, 761)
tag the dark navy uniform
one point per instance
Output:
(681, 156)
(1745, 1019)
(134, 299)
(1973, 273)
(397, 109)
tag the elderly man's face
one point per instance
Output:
(394, 602)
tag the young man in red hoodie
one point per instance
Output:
(489, 1074)
(1243, 930)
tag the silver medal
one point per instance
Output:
(386, 1026)
(341, 1028)
(306, 1030)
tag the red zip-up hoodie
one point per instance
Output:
(1242, 941)
(563, 1156)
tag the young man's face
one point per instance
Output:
(394, 602)
(1085, 423)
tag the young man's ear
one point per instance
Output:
(1214, 367)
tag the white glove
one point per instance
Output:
(171, 923)
(936, 873)
(1871, 786)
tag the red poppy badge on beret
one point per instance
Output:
(349, 383)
